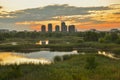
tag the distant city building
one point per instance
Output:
(43, 28)
(4, 30)
(71, 28)
(63, 27)
(57, 28)
(50, 27)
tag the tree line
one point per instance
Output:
(103, 37)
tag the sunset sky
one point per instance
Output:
(85, 14)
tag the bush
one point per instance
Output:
(13, 72)
(116, 51)
(67, 57)
(118, 41)
(101, 40)
(90, 63)
(58, 58)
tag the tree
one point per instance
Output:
(2, 38)
(118, 41)
(91, 36)
(111, 37)
(114, 36)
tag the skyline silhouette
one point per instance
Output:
(58, 28)
(97, 14)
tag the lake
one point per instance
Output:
(47, 54)
(43, 57)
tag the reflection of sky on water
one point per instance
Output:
(110, 55)
(7, 58)
(43, 57)
(47, 54)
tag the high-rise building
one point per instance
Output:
(57, 28)
(43, 28)
(49, 27)
(71, 28)
(63, 27)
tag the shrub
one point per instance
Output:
(67, 57)
(118, 41)
(58, 58)
(116, 51)
(101, 40)
(90, 63)
(13, 72)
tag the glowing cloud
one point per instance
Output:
(83, 17)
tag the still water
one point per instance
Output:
(43, 57)
(40, 57)
(47, 54)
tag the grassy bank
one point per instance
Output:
(82, 41)
(72, 68)
(81, 47)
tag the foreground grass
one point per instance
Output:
(72, 68)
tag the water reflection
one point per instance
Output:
(107, 54)
(48, 54)
(8, 58)
(43, 57)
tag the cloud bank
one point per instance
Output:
(82, 17)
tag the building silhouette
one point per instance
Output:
(49, 27)
(57, 28)
(43, 28)
(71, 28)
(63, 27)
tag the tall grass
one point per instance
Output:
(71, 68)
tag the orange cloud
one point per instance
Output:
(36, 25)
(97, 19)
(102, 26)
(107, 15)
(79, 25)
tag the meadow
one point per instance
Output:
(89, 66)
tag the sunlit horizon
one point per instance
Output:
(30, 14)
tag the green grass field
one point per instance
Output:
(72, 68)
